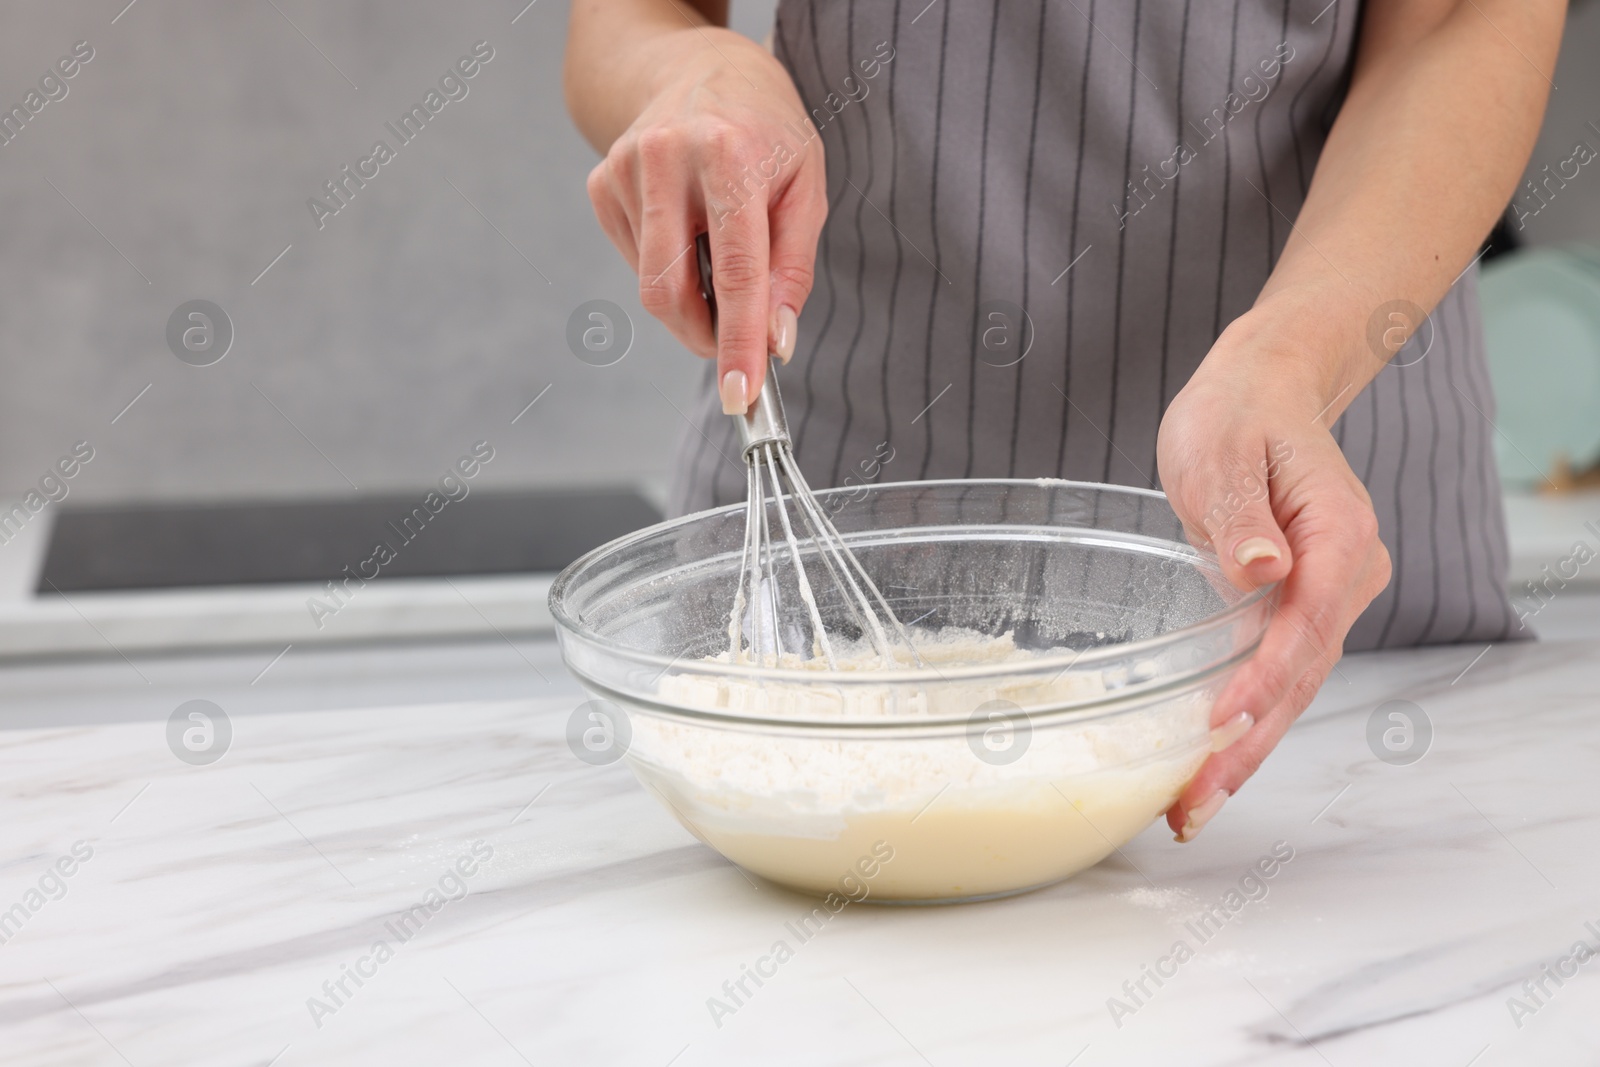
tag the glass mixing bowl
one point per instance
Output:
(1073, 645)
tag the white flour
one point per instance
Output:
(818, 772)
(800, 805)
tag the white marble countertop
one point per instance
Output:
(217, 900)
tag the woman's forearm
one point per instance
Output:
(1443, 108)
(618, 51)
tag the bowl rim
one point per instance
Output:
(1107, 705)
(567, 626)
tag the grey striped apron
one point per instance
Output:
(1023, 154)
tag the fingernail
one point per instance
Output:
(1230, 731)
(735, 395)
(787, 331)
(1199, 816)
(1254, 548)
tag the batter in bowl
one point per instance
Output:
(995, 809)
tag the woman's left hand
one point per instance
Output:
(1248, 462)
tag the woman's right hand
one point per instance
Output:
(723, 146)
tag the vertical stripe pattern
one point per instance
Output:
(1123, 173)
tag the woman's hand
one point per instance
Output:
(1459, 79)
(1250, 467)
(722, 146)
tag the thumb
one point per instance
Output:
(795, 223)
(1250, 545)
(738, 254)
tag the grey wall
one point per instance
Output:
(1574, 212)
(403, 331)
(406, 328)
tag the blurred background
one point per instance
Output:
(344, 362)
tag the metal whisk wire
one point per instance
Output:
(769, 458)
